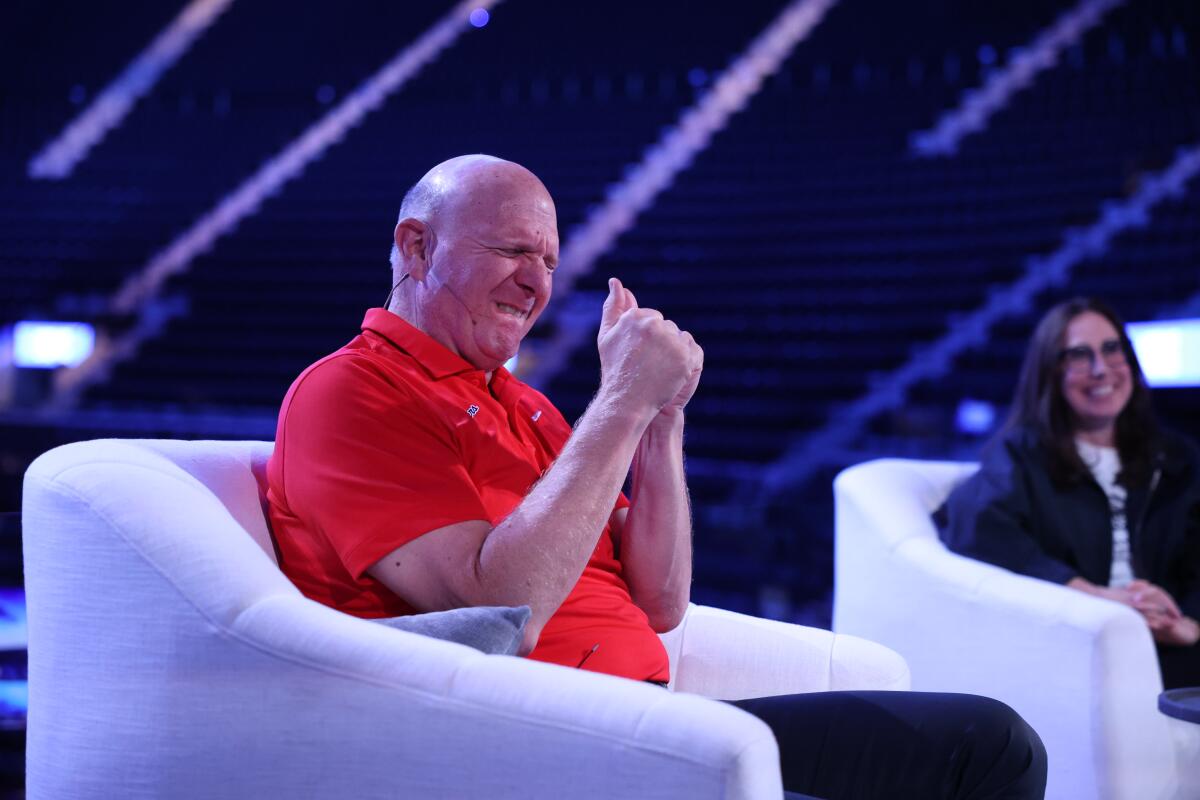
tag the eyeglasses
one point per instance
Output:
(1082, 359)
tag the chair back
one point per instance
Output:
(138, 557)
(894, 497)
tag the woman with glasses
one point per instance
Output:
(1082, 488)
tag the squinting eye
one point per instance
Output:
(1110, 347)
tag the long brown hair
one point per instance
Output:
(1039, 404)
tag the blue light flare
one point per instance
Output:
(1168, 350)
(975, 417)
(52, 344)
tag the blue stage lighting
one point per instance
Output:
(479, 17)
(1168, 350)
(52, 344)
(14, 702)
(975, 417)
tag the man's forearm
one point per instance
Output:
(656, 543)
(537, 553)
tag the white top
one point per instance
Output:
(1105, 465)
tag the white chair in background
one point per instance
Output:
(1082, 671)
(169, 657)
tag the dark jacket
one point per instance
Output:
(1013, 515)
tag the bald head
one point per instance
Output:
(462, 185)
(474, 253)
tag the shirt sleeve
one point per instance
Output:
(368, 464)
(989, 517)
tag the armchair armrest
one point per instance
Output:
(422, 717)
(1079, 669)
(169, 657)
(733, 656)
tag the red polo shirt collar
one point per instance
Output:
(430, 354)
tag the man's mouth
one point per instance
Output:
(512, 311)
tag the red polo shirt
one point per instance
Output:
(394, 436)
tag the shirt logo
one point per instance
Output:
(537, 415)
(472, 409)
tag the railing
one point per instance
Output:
(137, 295)
(811, 451)
(977, 106)
(58, 159)
(644, 181)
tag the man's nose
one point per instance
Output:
(533, 275)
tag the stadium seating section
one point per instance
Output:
(806, 248)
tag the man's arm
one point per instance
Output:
(536, 554)
(655, 534)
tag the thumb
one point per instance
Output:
(614, 306)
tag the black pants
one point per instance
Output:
(896, 745)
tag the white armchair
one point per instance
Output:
(170, 657)
(1082, 671)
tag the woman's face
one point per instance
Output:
(1096, 381)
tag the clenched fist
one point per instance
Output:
(645, 358)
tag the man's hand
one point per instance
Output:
(644, 357)
(696, 359)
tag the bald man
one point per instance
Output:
(413, 473)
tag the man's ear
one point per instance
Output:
(414, 240)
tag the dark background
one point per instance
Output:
(807, 249)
